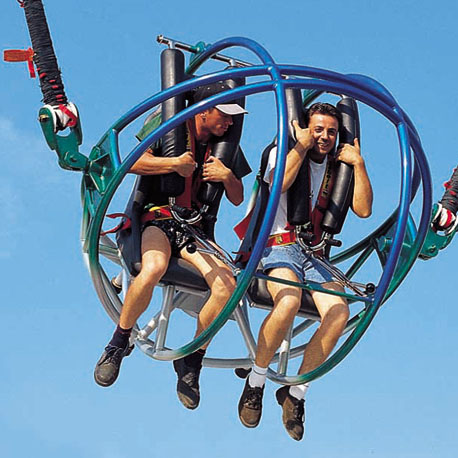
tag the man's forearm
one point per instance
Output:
(148, 164)
(293, 164)
(234, 189)
(362, 193)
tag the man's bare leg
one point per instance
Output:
(156, 253)
(334, 316)
(334, 313)
(221, 282)
(287, 300)
(155, 258)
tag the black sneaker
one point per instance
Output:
(187, 384)
(250, 405)
(107, 368)
(293, 413)
(242, 372)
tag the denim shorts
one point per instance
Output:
(292, 257)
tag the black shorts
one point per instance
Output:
(179, 236)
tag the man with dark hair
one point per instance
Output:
(284, 258)
(163, 237)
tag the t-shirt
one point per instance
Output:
(317, 171)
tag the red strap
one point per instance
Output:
(73, 117)
(184, 200)
(21, 55)
(21, 3)
(284, 238)
(322, 202)
(449, 219)
(156, 213)
(241, 227)
(31, 69)
(121, 226)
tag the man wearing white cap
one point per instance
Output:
(164, 237)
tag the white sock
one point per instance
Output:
(298, 391)
(257, 377)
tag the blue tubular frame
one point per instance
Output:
(359, 87)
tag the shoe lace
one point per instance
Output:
(114, 354)
(253, 397)
(298, 411)
(192, 376)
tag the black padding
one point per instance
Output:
(174, 141)
(181, 273)
(224, 148)
(298, 211)
(129, 240)
(295, 110)
(342, 192)
(259, 294)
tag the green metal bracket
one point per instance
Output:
(100, 169)
(383, 243)
(435, 242)
(199, 47)
(66, 147)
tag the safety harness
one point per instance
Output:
(184, 201)
(311, 231)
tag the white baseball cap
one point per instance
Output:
(208, 90)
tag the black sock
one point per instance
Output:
(120, 337)
(195, 359)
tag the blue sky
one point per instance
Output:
(396, 393)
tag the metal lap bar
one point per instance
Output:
(150, 327)
(245, 329)
(284, 352)
(164, 315)
(171, 43)
(357, 264)
(312, 286)
(208, 248)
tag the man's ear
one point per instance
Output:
(203, 115)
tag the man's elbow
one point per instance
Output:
(363, 212)
(237, 201)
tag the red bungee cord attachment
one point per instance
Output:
(21, 55)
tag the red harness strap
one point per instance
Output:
(125, 224)
(321, 205)
(284, 238)
(155, 213)
(192, 184)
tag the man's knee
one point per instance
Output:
(286, 306)
(336, 316)
(153, 270)
(223, 285)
